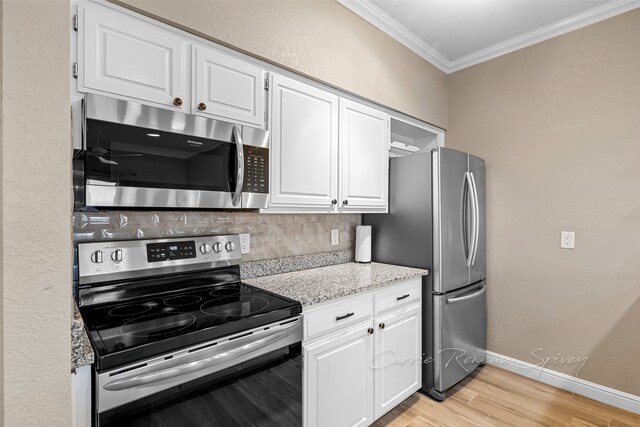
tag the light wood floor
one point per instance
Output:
(494, 397)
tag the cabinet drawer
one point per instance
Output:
(336, 316)
(398, 295)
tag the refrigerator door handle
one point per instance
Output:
(467, 297)
(469, 251)
(476, 219)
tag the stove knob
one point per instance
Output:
(96, 257)
(217, 247)
(116, 255)
(205, 248)
(230, 246)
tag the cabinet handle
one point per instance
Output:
(202, 106)
(345, 202)
(345, 316)
(370, 330)
(403, 297)
(334, 202)
(177, 102)
(381, 325)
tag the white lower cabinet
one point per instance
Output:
(397, 362)
(357, 371)
(338, 383)
(81, 397)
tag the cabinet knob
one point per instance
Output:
(202, 106)
(334, 202)
(370, 330)
(177, 102)
(381, 325)
(345, 202)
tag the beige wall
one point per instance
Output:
(558, 125)
(322, 40)
(36, 209)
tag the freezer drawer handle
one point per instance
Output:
(345, 316)
(402, 297)
(467, 297)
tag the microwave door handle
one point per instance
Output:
(83, 123)
(237, 194)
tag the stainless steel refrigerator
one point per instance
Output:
(436, 221)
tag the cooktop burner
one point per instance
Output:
(230, 307)
(182, 300)
(122, 332)
(224, 291)
(129, 310)
(157, 325)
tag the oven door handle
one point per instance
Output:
(246, 345)
(237, 194)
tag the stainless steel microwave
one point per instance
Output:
(137, 156)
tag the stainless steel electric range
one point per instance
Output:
(180, 340)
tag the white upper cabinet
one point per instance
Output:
(364, 157)
(304, 146)
(228, 88)
(328, 154)
(124, 56)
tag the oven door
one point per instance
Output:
(253, 378)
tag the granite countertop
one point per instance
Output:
(81, 350)
(322, 284)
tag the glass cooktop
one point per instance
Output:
(124, 332)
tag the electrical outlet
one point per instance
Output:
(335, 237)
(567, 239)
(245, 243)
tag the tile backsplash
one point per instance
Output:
(272, 235)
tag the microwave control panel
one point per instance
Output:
(256, 169)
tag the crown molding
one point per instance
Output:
(393, 28)
(564, 26)
(390, 26)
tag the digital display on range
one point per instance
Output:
(170, 251)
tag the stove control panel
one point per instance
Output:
(168, 251)
(106, 261)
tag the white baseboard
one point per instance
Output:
(594, 391)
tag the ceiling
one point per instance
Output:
(455, 34)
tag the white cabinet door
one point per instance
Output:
(304, 146)
(228, 88)
(338, 380)
(123, 56)
(364, 157)
(397, 361)
(81, 397)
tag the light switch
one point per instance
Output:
(567, 239)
